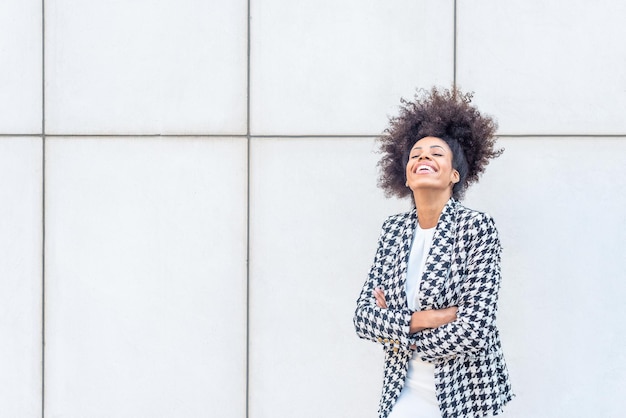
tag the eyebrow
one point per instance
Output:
(432, 146)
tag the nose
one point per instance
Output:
(423, 156)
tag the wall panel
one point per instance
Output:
(559, 206)
(21, 71)
(545, 67)
(145, 277)
(146, 67)
(340, 67)
(20, 277)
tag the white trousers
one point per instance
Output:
(412, 404)
(418, 398)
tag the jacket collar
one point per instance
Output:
(437, 267)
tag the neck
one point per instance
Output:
(429, 207)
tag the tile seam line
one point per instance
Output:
(137, 135)
(561, 136)
(454, 44)
(248, 178)
(295, 136)
(370, 136)
(43, 207)
(43, 273)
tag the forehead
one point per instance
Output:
(431, 141)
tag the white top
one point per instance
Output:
(422, 239)
(421, 374)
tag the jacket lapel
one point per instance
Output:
(403, 257)
(437, 268)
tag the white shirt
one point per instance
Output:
(422, 239)
(421, 375)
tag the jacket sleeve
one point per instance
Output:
(389, 327)
(474, 327)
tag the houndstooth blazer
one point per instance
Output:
(462, 269)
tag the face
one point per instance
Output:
(430, 166)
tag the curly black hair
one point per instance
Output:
(445, 114)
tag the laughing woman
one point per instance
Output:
(431, 295)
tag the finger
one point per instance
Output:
(382, 302)
(379, 299)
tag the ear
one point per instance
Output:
(456, 177)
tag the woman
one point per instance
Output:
(430, 298)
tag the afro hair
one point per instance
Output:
(445, 114)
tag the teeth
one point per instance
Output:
(425, 168)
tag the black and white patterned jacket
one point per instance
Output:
(462, 269)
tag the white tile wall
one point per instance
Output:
(145, 277)
(330, 67)
(559, 207)
(20, 71)
(20, 277)
(146, 238)
(143, 67)
(546, 67)
(315, 220)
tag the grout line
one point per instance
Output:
(43, 272)
(43, 207)
(140, 135)
(573, 136)
(247, 135)
(35, 135)
(248, 141)
(314, 136)
(370, 136)
(454, 45)
(298, 136)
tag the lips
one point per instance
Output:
(425, 168)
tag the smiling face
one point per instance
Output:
(430, 166)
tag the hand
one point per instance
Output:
(380, 298)
(443, 316)
(432, 318)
